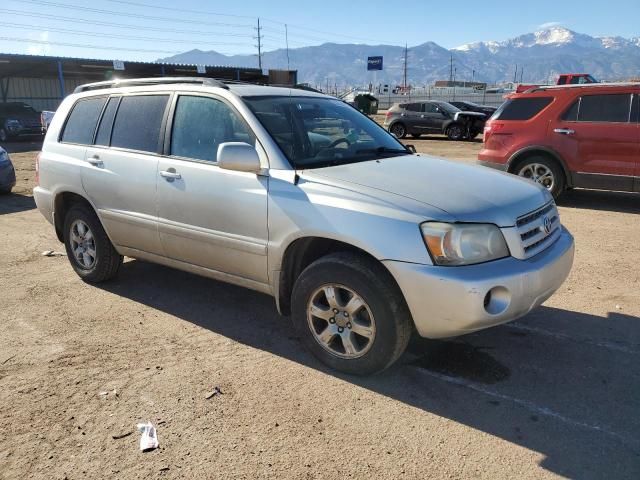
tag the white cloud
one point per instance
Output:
(546, 25)
(39, 45)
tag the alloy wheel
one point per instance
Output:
(83, 244)
(341, 321)
(539, 173)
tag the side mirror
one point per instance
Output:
(238, 156)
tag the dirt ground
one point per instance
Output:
(554, 394)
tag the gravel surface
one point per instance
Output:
(554, 394)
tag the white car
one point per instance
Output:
(300, 196)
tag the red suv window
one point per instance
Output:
(610, 108)
(521, 108)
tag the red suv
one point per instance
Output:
(569, 136)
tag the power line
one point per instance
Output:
(174, 9)
(111, 35)
(119, 25)
(133, 15)
(80, 45)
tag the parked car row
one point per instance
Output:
(434, 116)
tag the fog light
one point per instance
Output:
(497, 300)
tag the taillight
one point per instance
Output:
(388, 114)
(491, 128)
(38, 169)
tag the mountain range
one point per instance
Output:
(539, 57)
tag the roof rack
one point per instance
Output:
(137, 82)
(542, 88)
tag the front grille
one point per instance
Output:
(534, 235)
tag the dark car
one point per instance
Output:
(433, 117)
(474, 107)
(18, 119)
(7, 172)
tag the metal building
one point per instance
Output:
(43, 81)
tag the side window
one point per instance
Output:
(104, 129)
(138, 121)
(430, 108)
(82, 122)
(562, 80)
(635, 108)
(605, 108)
(521, 108)
(201, 124)
(414, 107)
(575, 80)
(571, 115)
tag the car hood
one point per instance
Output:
(468, 193)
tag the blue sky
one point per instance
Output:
(149, 29)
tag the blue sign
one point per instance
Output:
(374, 63)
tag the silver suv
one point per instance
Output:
(300, 196)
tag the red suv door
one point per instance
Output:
(598, 139)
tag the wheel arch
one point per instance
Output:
(62, 202)
(533, 150)
(300, 253)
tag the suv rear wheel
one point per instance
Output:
(350, 314)
(89, 250)
(399, 130)
(542, 170)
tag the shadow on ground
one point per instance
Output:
(571, 397)
(14, 203)
(601, 200)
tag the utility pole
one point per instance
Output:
(286, 37)
(473, 76)
(451, 68)
(259, 37)
(404, 80)
(515, 74)
(521, 73)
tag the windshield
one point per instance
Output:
(447, 107)
(319, 132)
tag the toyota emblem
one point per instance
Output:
(547, 225)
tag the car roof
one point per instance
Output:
(562, 89)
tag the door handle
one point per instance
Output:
(94, 160)
(564, 131)
(169, 175)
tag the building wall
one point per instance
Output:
(40, 93)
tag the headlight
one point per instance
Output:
(463, 244)
(4, 156)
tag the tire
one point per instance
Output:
(455, 132)
(383, 313)
(545, 168)
(472, 136)
(416, 135)
(106, 260)
(398, 129)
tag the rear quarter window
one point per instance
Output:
(82, 121)
(521, 108)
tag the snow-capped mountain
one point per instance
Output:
(540, 56)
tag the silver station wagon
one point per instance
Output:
(298, 195)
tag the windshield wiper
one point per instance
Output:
(382, 150)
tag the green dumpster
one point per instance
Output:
(366, 103)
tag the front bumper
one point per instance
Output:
(451, 301)
(498, 166)
(7, 176)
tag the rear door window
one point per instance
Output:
(430, 108)
(605, 108)
(81, 124)
(521, 108)
(138, 122)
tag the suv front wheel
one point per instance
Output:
(350, 314)
(544, 171)
(89, 250)
(399, 130)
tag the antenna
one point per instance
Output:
(259, 37)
